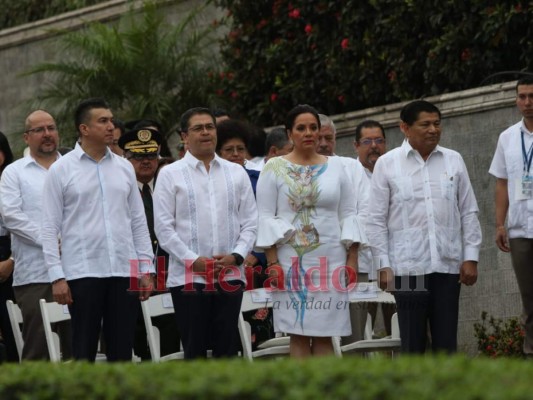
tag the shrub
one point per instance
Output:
(345, 55)
(348, 378)
(496, 338)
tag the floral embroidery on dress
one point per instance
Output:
(303, 196)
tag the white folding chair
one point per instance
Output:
(15, 317)
(369, 293)
(52, 313)
(253, 300)
(154, 307)
(369, 345)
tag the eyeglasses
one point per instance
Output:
(41, 129)
(201, 128)
(140, 157)
(368, 142)
(233, 149)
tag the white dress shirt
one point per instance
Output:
(21, 192)
(361, 186)
(364, 261)
(424, 214)
(508, 163)
(97, 211)
(200, 213)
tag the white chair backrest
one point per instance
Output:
(255, 300)
(52, 313)
(153, 307)
(15, 317)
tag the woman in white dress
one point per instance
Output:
(310, 232)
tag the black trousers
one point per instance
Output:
(6, 293)
(423, 299)
(103, 304)
(208, 319)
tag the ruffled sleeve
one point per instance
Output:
(352, 231)
(273, 231)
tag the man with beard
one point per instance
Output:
(21, 206)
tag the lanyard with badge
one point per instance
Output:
(527, 179)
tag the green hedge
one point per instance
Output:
(352, 377)
(18, 12)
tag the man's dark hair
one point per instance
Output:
(232, 129)
(81, 115)
(119, 125)
(411, 111)
(300, 109)
(277, 138)
(525, 80)
(369, 123)
(220, 112)
(186, 116)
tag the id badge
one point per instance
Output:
(524, 188)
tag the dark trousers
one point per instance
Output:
(423, 299)
(6, 293)
(522, 260)
(103, 303)
(208, 319)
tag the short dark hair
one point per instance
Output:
(6, 149)
(368, 123)
(232, 129)
(81, 115)
(525, 80)
(186, 116)
(119, 125)
(412, 110)
(219, 112)
(277, 137)
(300, 109)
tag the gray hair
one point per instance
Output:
(327, 121)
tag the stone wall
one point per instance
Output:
(25, 46)
(472, 121)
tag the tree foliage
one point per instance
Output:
(144, 66)
(13, 13)
(346, 55)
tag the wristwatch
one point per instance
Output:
(238, 258)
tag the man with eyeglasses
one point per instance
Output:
(21, 193)
(369, 145)
(206, 219)
(511, 166)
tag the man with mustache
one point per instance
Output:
(21, 206)
(370, 144)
